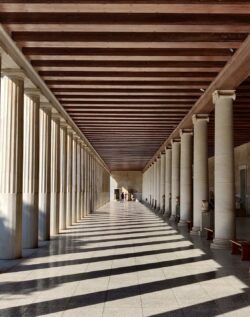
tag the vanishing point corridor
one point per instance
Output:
(123, 260)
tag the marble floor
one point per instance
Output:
(125, 261)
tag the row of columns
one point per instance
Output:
(49, 178)
(183, 169)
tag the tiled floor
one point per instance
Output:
(125, 261)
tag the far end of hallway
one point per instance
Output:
(123, 260)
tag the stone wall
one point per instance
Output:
(242, 160)
(127, 181)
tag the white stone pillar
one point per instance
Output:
(86, 180)
(82, 179)
(30, 168)
(224, 169)
(168, 181)
(158, 183)
(200, 169)
(155, 184)
(162, 182)
(55, 173)
(63, 174)
(69, 178)
(74, 177)
(78, 180)
(186, 176)
(175, 176)
(44, 171)
(11, 163)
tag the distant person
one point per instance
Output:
(122, 196)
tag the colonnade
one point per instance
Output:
(184, 168)
(49, 177)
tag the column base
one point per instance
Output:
(172, 218)
(166, 215)
(182, 223)
(220, 244)
(196, 231)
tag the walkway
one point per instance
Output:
(124, 261)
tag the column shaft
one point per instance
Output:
(30, 168)
(224, 170)
(55, 173)
(186, 177)
(175, 177)
(168, 181)
(200, 169)
(63, 175)
(69, 178)
(162, 183)
(11, 164)
(44, 171)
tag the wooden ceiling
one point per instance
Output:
(128, 72)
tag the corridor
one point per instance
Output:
(125, 261)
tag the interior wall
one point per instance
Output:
(241, 160)
(126, 181)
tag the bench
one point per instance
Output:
(210, 233)
(241, 247)
(189, 225)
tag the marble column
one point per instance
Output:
(86, 180)
(186, 176)
(224, 212)
(162, 183)
(158, 183)
(69, 177)
(55, 173)
(200, 169)
(168, 181)
(11, 163)
(44, 171)
(74, 177)
(155, 184)
(175, 177)
(82, 179)
(63, 174)
(30, 168)
(78, 179)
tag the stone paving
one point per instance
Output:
(125, 261)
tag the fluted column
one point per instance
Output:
(55, 172)
(78, 180)
(69, 177)
(200, 169)
(74, 177)
(44, 171)
(30, 168)
(63, 174)
(82, 179)
(158, 197)
(224, 169)
(175, 176)
(86, 181)
(162, 183)
(186, 176)
(11, 163)
(155, 184)
(168, 181)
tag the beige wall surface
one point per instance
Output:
(241, 160)
(130, 181)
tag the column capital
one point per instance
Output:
(32, 92)
(163, 152)
(175, 141)
(186, 131)
(55, 115)
(223, 94)
(63, 123)
(200, 116)
(69, 129)
(46, 106)
(168, 147)
(14, 73)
